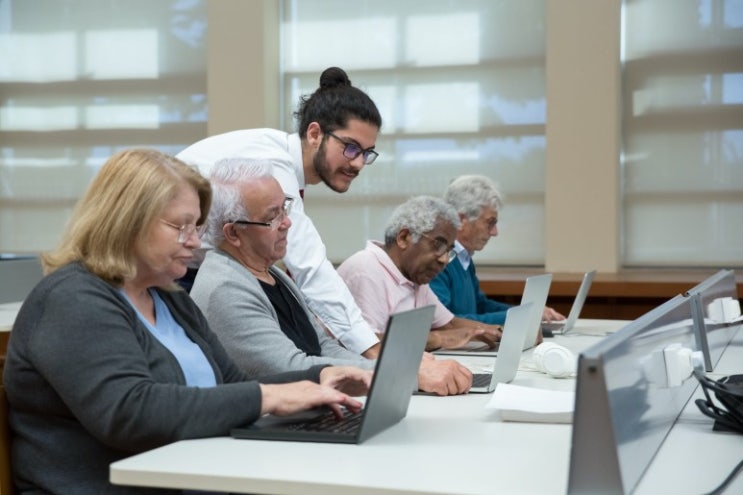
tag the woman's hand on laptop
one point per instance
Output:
(348, 379)
(290, 398)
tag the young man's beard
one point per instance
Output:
(322, 169)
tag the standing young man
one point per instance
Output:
(337, 133)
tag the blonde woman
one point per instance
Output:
(108, 358)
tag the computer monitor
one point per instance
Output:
(18, 275)
(711, 333)
(624, 406)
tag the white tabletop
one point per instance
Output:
(436, 449)
(445, 445)
(433, 450)
(8, 312)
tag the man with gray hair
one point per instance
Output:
(256, 310)
(393, 276)
(477, 202)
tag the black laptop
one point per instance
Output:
(395, 379)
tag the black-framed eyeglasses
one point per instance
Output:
(286, 208)
(187, 230)
(353, 150)
(440, 248)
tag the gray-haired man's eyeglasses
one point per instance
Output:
(286, 208)
(440, 248)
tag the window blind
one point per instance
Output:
(683, 132)
(460, 86)
(80, 80)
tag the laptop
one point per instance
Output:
(536, 289)
(395, 379)
(567, 324)
(535, 292)
(509, 353)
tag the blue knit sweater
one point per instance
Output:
(459, 290)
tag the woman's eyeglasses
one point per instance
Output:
(187, 230)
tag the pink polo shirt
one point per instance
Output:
(380, 289)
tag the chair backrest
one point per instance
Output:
(6, 473)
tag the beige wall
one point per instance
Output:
(243, 64)
(582, 197)
(582, 200)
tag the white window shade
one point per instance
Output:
(461, 89)
(683, 133)
(81, 81)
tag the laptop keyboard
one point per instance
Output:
(328, 422)
(481, 379)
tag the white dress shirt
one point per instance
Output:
(325, 292)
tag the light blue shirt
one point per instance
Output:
(193, 362)
(463, 255)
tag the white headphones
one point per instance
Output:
(554, 359)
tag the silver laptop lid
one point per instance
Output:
(511, 344)
(535, 292)
(396, 373)
(580, 300)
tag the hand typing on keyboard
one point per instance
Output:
(347, 423)
(289, 398)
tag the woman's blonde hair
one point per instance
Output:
(129, 193)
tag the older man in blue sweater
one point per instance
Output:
(477, 200)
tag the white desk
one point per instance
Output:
(431, 451)
(8, 312)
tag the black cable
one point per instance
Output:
(726, 481)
